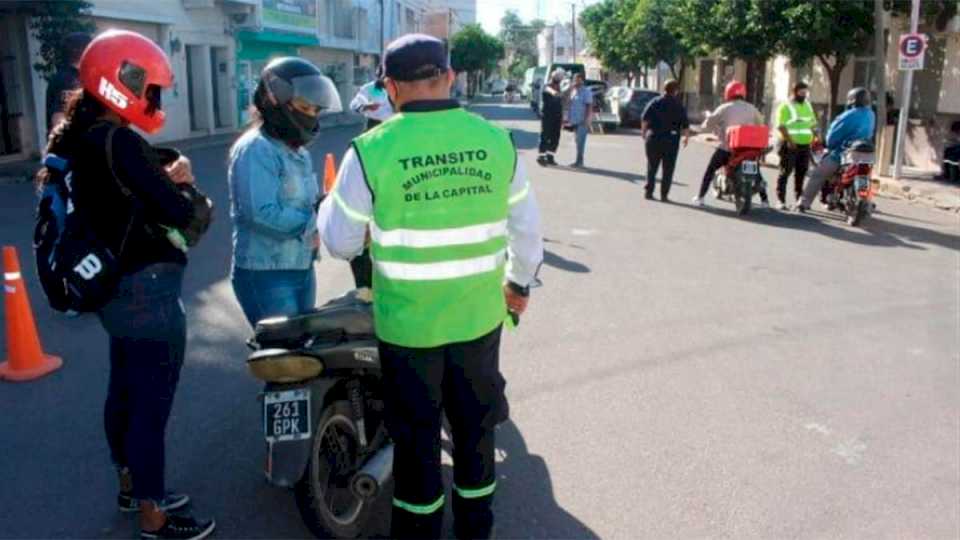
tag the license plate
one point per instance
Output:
(862, 183)
(750, 167)
(286, 415)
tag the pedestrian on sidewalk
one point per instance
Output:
(67, 77)
(581, 115)
(797, 126)
(856, 123)
(372, 102)
(443, 283)
(737, 111)
(128, 197)
(664, 121)
(951, 154)
(274, 191)
(551, 118)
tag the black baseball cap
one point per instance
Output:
(415, 57)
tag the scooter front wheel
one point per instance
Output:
(327, 505)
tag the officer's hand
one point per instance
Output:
(180, 171)
(686, 140)
(516, 303)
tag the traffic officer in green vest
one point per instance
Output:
(455, 240)
(797, 124)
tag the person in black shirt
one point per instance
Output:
(664, 120)
(66, 78)
(133, 197)
(551, 118)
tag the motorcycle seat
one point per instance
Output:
(343, 318)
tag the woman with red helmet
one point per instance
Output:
(139, 202)
(734, 112)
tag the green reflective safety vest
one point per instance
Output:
(441, 186)
(799, 120)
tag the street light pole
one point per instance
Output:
(880, 57)
(905, 102)
(573, 25)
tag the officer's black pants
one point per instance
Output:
(362, 269)
(794, 160)
(661, 149)
(464, 380)
(550, 133)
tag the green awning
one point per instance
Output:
(272, 36)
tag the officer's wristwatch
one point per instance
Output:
(522, 291)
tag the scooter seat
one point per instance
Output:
(340, 319)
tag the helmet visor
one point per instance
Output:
(315, 92)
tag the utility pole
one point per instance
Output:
(880, 74)
(905, 102)
(573, 26)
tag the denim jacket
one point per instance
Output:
(273, 196)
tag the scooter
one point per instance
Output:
(740, 178)
(323, 412)
(850, 190)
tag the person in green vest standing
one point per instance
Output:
(797, 124)
(455, 239)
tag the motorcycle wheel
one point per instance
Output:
(327, 505)
(742, 196)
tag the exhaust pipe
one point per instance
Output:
(368, 481)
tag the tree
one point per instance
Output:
(520, 43)
(935, 12)
(474, 51)
(50, 21)
(656, 42)
(830, 31)
(606, 26)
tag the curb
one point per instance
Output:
(941, 198)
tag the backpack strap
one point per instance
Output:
(123, 189)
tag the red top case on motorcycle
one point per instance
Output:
(748, 137)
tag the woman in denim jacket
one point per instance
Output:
(274, 192)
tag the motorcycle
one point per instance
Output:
(740, 178)
(851, 190)
(323, 412)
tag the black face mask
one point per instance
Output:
(800, 99)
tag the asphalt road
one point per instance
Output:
(682, 373)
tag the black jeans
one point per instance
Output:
(950, 171)
(550, 133)
(361, 267)
(661, 149)
(148, 336)
(794, 160)
(464, 380)
(719, 159)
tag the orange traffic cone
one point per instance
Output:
(25, 358)
(329, 174)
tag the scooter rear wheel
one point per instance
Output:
(327, 505)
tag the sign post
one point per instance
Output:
(912, 48)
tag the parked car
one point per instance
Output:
(628, 104)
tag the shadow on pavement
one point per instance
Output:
(526, 506)
(562, 263)
(504, 112)
(875, 231)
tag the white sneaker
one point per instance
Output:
(698, 201)
(764, 204)
(781, 206)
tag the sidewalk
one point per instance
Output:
(917, 185)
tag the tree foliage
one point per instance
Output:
(520, 43)
(828, 30)
(50, 21)
(656, 42)
(606, 26)
(474, 51)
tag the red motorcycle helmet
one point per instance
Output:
(734, 89)
(126, 72)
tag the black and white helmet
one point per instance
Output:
(859, 97)
(292, 95)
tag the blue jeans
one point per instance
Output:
(148, 337)
(270, 293)
(582, 130)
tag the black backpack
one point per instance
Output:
(76, 270)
